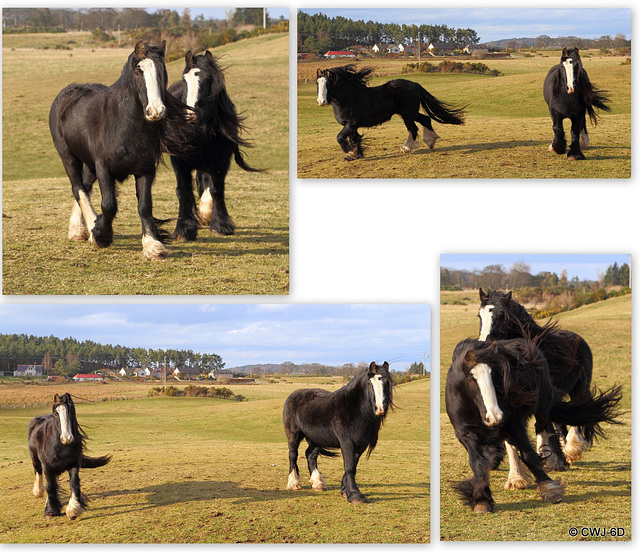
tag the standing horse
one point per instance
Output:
(570, 366)
(56, 445)
(492, 390)
(217, 128)
(349, 419)
(357, 105)
(570, 94)
(109, 133)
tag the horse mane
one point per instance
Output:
(351, 75)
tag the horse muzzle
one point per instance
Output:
(66, 439)
(570, 89)
(492, 420)
(190, 116)
(323, 102)
(379, 411)
(154, 113)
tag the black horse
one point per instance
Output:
(570, 366)
(216, 140)
(56, 445)
(492, 390)
(357, 105)
(109, 133)
(349, 419)
(570, 94)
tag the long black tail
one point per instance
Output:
(325, 452)
(589, 411)
(95, 461)
(594, 97)
(239, 158)
(440, 111)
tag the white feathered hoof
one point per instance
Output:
(552, 491)
(294, 482)
(74, 509)
(516, 483)
(317, 481)
(153, 249)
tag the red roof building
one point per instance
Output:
(88, 377)
(339, 54)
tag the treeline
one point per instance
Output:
(122, 27)
(69, 356)
(312, 369)
(544, 42)
(318, 33)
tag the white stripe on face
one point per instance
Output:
(65, 435)
(485, 321)
(482, 374)
(568, 68)
(155, 106)
(322, 91)
(193, 86)
(378, 392)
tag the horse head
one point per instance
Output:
(64, 410)
(150, 78)
(203, 78)
(477, 375)
(323, 77)
(381, 383)
(571, 68)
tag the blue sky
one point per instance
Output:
(586, 267)
(496, 23)
(242, 334)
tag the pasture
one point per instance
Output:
(507, 130)
(599, 485)
(204, 470)
(36, 194)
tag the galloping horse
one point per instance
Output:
(570, 367)
(216, 139)
(357, 105)
(56, 445)
(492, 390)
(109, 133)
(349, 419)
(570, 94)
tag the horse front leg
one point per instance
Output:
(77, 503)
(153, 237)
(315, 477)
(102, 229)
(349, 489)
(53, 506)
(187, 224)
(350, 142)
(559, 144)
(475, 492)
(550, 490)
(518, 477)
(575, 153)
(548, 447)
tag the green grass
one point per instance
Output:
(506, 135)
(599, 486)
(38, 257)
(204, 470)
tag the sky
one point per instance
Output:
(585, 267)
(498, 23)
(333, 334)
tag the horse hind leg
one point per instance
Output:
(575, 153)
(549, 450)
(575, 445)
(83, 217)
(219, 220)
(410, 143)
(429, 135)
(584, 135)
(315, 477)
(187, 223)
(293, 439)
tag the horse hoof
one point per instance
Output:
(552, 491)
(516, 483)
(482, 508)
(575, 157)
(360, 499)
(223, 229)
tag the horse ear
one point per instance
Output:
(508, 296)
(188, 58)
(385, 366)
(318, 73)
(565, 52)
(483, 295)
(208, 55)
(56, 398)
(140, 50)
(372, 368)
(163, 47)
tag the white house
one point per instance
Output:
(375, 49)
(28, 370)
(395, 49)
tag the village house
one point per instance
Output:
(186, 372)
(441, 48)
(28, 370)
(88, 377)
(332, 54)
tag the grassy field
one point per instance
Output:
(205, 470)
(506, 135)
(599, 486)
(36, 195)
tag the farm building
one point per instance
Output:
(395, 49)
(186, 372)
(88, 377)
(441, 48)
(28, 370)
(332, 54)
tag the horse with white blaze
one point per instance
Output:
(56, 445)
(348, 419)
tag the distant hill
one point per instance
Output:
(295, 369)
(547, 42)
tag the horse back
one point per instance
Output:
(570, 361)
